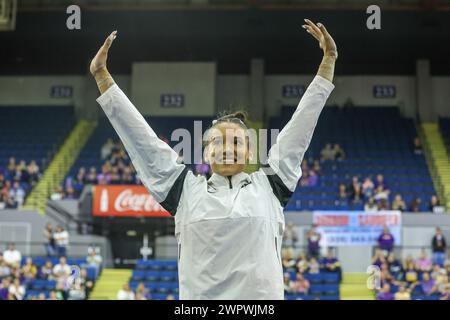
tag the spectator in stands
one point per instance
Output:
(446, 294)
(77, 292)
(12, 256)
(29, 271)
(33, 172)
(313, 178)
(50, 246)
(417, 146)
(287, 260)
(17, 194)
(368, 188)
(143, 292)
(127, 176)
(411, 275)
(313, 266)
(380, 182)
(95, 260)
(442, 285)
(91, 178)
(415, 205)
(328, 153)
(383, 205)
(58, 194)
(355, 189)
(70, 193)
(54, 295)
(435, 205)
(385, 293)
(381, 193)
(300, 285)
(61, 240)
(403, 293)
(379, 258)
(331, 264)
(125, 293)
(423, 263)
(394, 265)
(287, 283)
(16, 290)
(342, 195)
(386, 241)
(62, 270)
(302, 263)
(4, 269)
(4, 288)
(115, 176)
(427, 284)
(317, 167)
(81, 176)
(339, 153)
(371, 205)
(290, 236)
(398, 203)
(47, 271)
(439, 247)
(313, 238)
(107, 149)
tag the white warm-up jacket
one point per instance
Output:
(229, 229)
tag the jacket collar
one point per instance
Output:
(221, 181)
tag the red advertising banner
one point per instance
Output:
(125, 201)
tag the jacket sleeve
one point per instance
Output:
(154, 160)
(286, 155)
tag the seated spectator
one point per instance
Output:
(331, 264)
(371, 205)
(395, 267)
(54, 295)
(12, 256)
(300, 285)
(355, 189)
(386, 241)
(302, 263)
(287, 283)
(385, 293)
(91, 177)
(339, 153)
(423, 263)
(417, 146)
(62, 270)
(368, 187)
(94, 259)
(47, 271)
(125, 293)
(139, 296)
(4, 269)
(81, 176)
(288, 261)
(427, 284)
(402, 293)
(70, 193)
(381, 193)
(88, 285)
(379, 258)
(77, 292)
(328, 153)
(415, 205)
(398, 203)
(290, 236)
(17, 194)
(29, 270)
(313, 266)
(435, 205)
(4, 288)
(107, 149)
(313, 179)
(411, 275)
(115, 176)
(439, 246)
(442, 283)
(317, 167)
(446, 294)
(16, 290)
(143, 292)
(50, 246)
(383, 205)
(379, 181)
(342, 195)
(58, 193)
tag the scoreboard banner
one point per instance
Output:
(356, 228)
(125, 201)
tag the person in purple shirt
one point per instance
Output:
(385, 293)
(313, 242)
(427, 284)
(4, 289)
(386, 241)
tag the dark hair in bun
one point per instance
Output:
(239, 117)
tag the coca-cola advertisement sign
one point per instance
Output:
(125, 201)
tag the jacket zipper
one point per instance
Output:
(229, 181)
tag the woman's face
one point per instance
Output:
(227, 149)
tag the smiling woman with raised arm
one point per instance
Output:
(229, 228)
